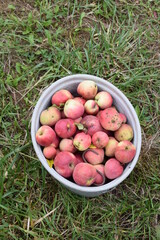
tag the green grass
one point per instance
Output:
(40, 42)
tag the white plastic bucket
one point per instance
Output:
(120, 101)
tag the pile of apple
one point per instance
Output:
(89, 140)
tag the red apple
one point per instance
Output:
(49, 152)
(65, 128)
(45, 136)
(61, 96)
(113, 168)
(125, 151)
(73, 109)
(104, 99)
(100, 176)
(79, 157)
(92, 124)
(123, 117)
(93, 156)
(80, 99)
(87, 89)
(84, 174)
(100, 139)
(65, 163)
(110, 119)
(55, 143)
(67, 145)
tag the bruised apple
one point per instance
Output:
(82, 141)
(110, 119)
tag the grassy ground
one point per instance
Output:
(40, 42)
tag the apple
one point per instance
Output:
(80, 99)
(100, 139)
(92, 124)
(82, 141)
(84, 174)
(125, 151)
(64, 163)
(110, 119)
(65, 128)
(113, 168)
(50, 116)
(93, 156)
(67, 145)
(104, 99)
(60, 97)
(111, 147)
(125, 132)
(45, 136)
(100, 176)
(49, 152)
(87, 89)
(123, 117)
(91, 107)
(73, 109)
(78, 155)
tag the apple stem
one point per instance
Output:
(104, 179)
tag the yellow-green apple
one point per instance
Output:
(125, 132)
(50, 116)
(111, 147)
(82, 141)
(91, 107)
